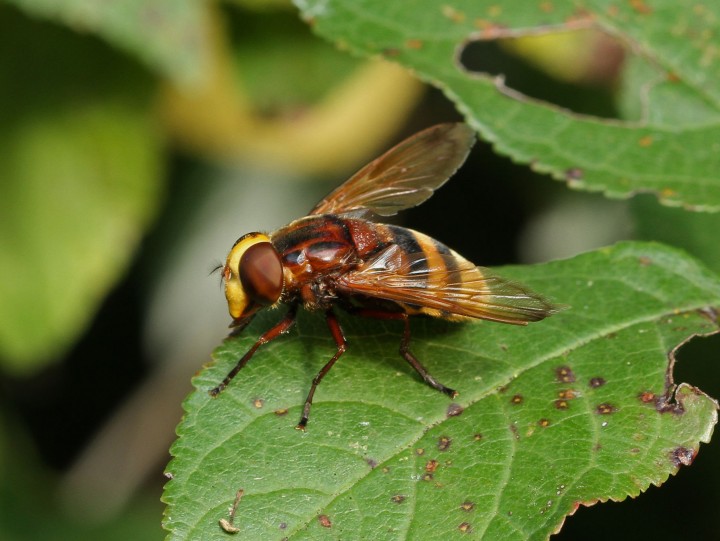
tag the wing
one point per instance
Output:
(445, 285)
(406, 175)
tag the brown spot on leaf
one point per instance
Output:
(644, 260)
(564, 374)
(544, 423)
(605, 409)
(467, 505)
(547, 7)
(567, 394)
(324, 521)
(646, 397)
(641, 7)
(414, 44)
(514, 431)
(574, 173)
(562, 404)
(488, 29)
(664, 404)
(281, 412)
(465, 527)
(398, 498)
(444, 443)
(258, 402)
(517, 399)
(431, 466)
(391, 52)
(454, 410)
(645, 141)
(455, 15)
(427, 477)
(371, 462)
(597, 382)
(682, 456)
(385, 469)
(710, 313)
(283, 525)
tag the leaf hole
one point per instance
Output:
(578, 70)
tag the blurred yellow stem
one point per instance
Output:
(216, 119)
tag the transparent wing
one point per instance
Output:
(406, 175)
(445, 285)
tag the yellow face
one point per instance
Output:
(253, 275)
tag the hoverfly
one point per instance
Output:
(337, 257)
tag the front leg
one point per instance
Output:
(283, 326)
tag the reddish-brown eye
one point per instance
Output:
(261, 273)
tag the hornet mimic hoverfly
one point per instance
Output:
(337, 257)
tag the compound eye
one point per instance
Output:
(261, 273)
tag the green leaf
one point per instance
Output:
(576, 409)
(673, 151)
(169, 35)
(81, 178)
(692, 231)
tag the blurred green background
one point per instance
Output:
(139, 140)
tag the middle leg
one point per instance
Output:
(341, 343)
(405, 348)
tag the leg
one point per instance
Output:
(340, 341)
(405, 348)
(419, 368)
(273, 333)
